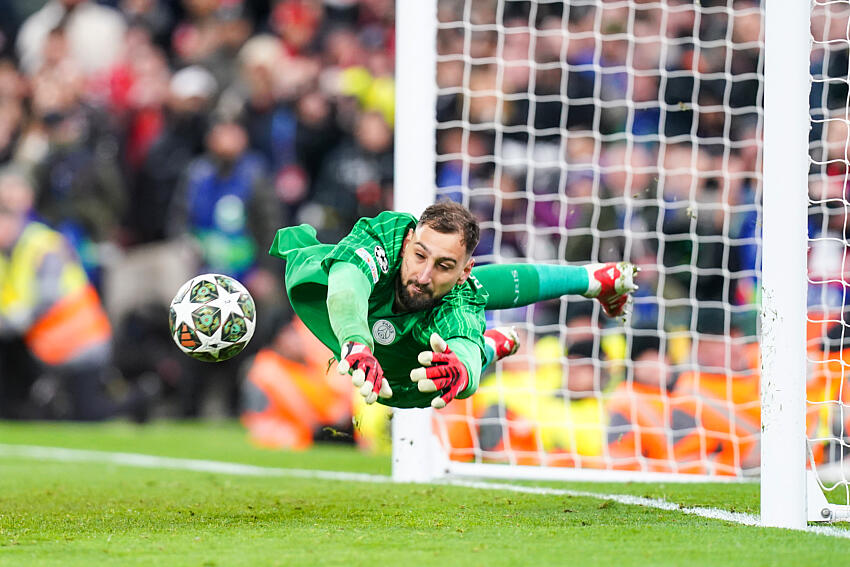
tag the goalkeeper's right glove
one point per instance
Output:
(441, 370)
(366, 371)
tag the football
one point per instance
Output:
(212, 317)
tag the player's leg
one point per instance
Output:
(517, 285)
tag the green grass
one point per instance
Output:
(97, 514)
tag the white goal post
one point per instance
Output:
(414, 447)
(784, 201)
(475, 133)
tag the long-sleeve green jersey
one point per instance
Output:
(374, 247)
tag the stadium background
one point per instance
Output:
(163, 139)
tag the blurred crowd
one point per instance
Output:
(634, 130)
(149, 141)
(145, 141)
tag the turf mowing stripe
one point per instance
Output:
(219, 467)
(197, 465)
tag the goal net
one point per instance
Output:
(827, 338)
(583, 132)
(588, 132)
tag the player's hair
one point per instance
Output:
(449, 217)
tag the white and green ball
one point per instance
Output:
(212, 317)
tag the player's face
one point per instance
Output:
(432, 264)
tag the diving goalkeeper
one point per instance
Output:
(399, 303)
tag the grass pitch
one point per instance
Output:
(90, 513)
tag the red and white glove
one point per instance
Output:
(612, 285)
(503, 340)
(366, 371)
(444, 370)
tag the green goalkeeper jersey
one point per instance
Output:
(374, 246)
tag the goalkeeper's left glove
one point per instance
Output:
(367, 374)
(448, 372)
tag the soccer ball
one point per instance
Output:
(212, 317)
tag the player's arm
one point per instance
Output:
(517, 285)
(451, 367)
(348, 303)
(348, 308)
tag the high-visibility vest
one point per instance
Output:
(73, 324)
(827, 392)
(542, 426)
(301, 396)
(639, 435)
(726, 415)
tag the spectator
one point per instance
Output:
(93, 32)
(80, 188)
(827, 424)
(211, 36)
(191, 93)
(639, 426)
(226, 202)
(364, 74)
(12, 111)
(555, 408)
(316, 124)
(289, 395)
(53, 329)
(138, 88)
(269, 119)
(692, 222)
(356, 178)
(227, 205)
(274, 107)
(157, 17)
(717, 412)
(297, 23)
(660, 299)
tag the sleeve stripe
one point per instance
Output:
(370, 262)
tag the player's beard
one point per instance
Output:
(407, 301)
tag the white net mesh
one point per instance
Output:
(590, 132)
(827, 395)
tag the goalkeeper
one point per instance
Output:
(399, 303)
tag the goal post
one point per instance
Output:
(785, 203)
(414, 447)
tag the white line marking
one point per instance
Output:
(238, 469)
(197, 465)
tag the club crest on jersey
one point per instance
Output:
(383, 332)
(366, 257)
(381, 257)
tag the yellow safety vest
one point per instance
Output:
(70, 325)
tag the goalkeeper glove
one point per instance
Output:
(503, 340)
(366, 371)
(444, 371)
(612, 285)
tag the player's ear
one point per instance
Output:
(407, 238)
(467, 269)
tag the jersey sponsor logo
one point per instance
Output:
(383, 332)
(366, 257)
(381, 257)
